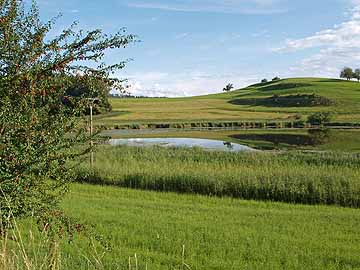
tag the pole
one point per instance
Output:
(91, 134)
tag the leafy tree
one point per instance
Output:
(320, 118)
(38, 131)
(84, 87)
(356, 74)
(347, 73)
(264, 81)
(228, 87)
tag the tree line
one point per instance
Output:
(349, 74)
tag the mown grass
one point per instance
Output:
(310, 178)
(344, 95)
(217, 233)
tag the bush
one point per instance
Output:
(320, 118)
(37, 126)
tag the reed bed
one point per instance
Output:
(308, 178)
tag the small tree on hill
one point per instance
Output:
(228, 87)
(356, 74)
(276, 79)
(264, 81)
(347, 73)
(37, 125)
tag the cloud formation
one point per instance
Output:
(191, 83)
(337, 46)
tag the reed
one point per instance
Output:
(308, 178)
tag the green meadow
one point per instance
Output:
(292, 204)
(150, 230)
(252, 103)
(265, 177)
(217, 233)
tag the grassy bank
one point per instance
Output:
(311, 178)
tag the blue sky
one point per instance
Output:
(193, 47)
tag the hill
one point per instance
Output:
(283, 100)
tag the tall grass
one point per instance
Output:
(309, 178)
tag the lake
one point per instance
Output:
(206, 144)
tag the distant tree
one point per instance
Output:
(264, 81)
(347, 73)
(320, 118)
(356, 74)
(228, 87)
(276, 79)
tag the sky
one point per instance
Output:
(196, 47)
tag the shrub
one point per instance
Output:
(37, 123)
(320, 118)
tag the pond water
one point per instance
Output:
(183, 142)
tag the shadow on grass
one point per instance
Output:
(304, 100)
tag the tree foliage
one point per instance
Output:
(356, 74)
(38, 130)
(347, 73)
(85, 87)
(320, 118)
(228, 87)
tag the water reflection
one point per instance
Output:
(183, 142)
(312, 138)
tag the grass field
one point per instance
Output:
(217, 233)
(232, 106)
(312, 178)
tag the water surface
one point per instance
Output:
(183, 142)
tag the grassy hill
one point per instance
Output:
(283, 100)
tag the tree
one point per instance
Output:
(83, 87)
(356, 74)
(347, 73)
(320, 118)
(276, 79)
(228, 87)
(37, 127)
(264, 81)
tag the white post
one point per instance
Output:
(91, 134)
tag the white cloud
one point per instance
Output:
(218, 6)
(337, 46)
(191, 83)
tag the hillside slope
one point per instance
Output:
(282, 100)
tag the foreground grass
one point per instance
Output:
(217, 233)
(228, 106)
(311, 178)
